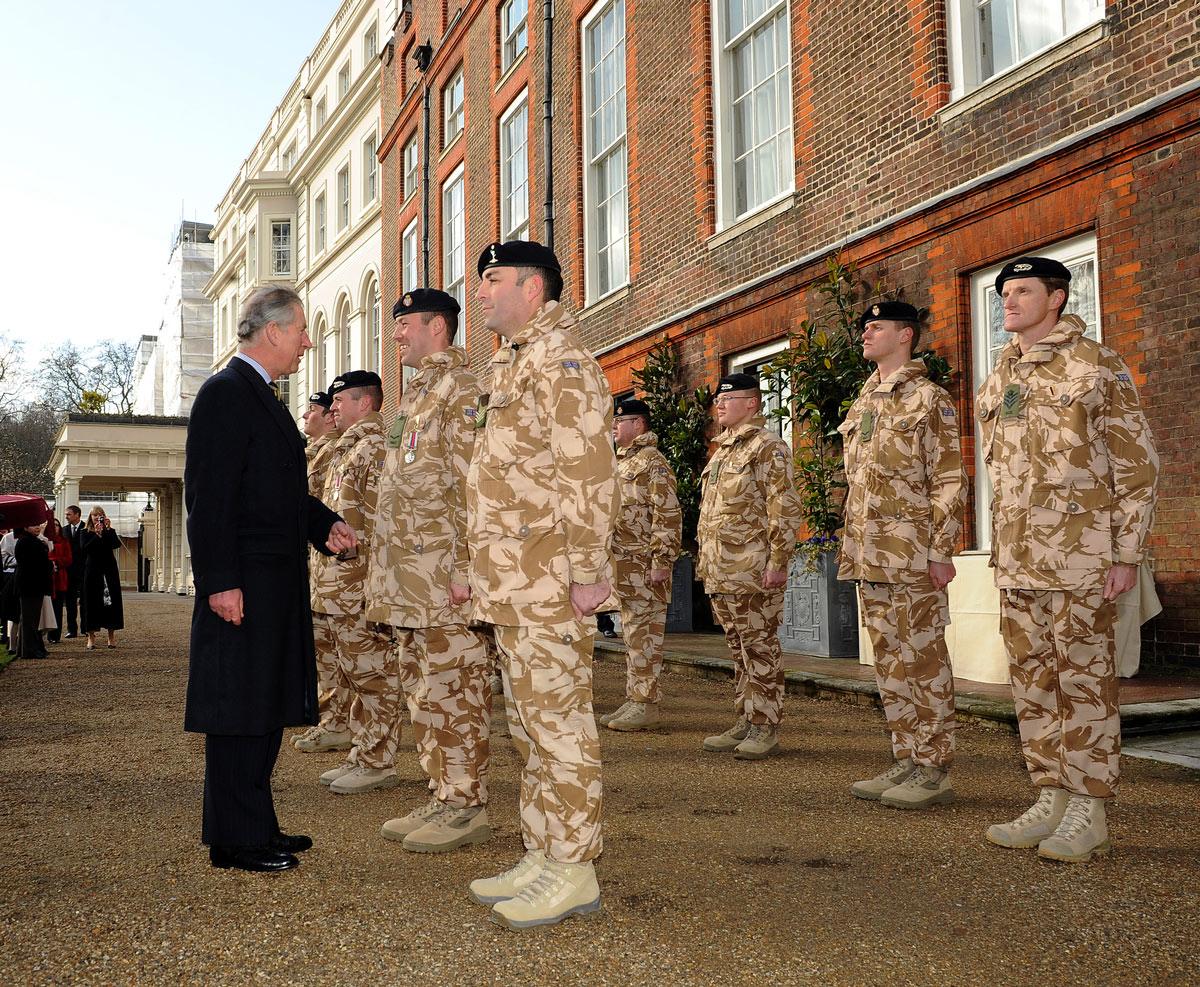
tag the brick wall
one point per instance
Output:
(876, 139)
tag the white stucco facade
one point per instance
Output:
(315, 158)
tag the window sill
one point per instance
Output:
(450, 147)
(1024, 71)
(612, 298)
(508, 72)
(765, 213)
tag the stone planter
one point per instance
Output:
(820, 614)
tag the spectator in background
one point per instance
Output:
(72, 531)
(60, 558)
(101, 595)
(33, 579)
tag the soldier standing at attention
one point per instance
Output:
(903, 514)
(542, 500)
(749, 513)
(645, 545)
(417, 579)
(332, 733)
(366, 661)
(1074, 471)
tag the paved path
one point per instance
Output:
(715, 872)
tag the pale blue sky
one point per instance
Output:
(120, 116)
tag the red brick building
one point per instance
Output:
(709, 154)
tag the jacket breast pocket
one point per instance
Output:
(898, 452)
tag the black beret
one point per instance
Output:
(425, 300)
(631, 406)
(892, 311)
(518, 253)
(738, 382)
(322, 398)
(1032, 267)
(354, 378)
(23, 510)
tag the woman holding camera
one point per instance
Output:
(101, 596)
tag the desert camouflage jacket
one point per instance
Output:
(1071, 461)
(351, 484)
(318, 454)
(421, 520)
(749, 511)
(542, 495)
(649, 526)
(904, 469)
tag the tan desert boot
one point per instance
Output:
(449, 829)
(559, 891)
(728, 740)
(364, 780)
(636, 716)
(1036, 823)
(761, 741)
(489, 890)
(924, 788)
(872, 788)
(1081, 835)
(398, 829)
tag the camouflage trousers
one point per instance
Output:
(446, 678)
(548, 684)
(643, 623)
(367, 671)
(907, 625)
(1062, 662)
(333, 703)
(751, 623)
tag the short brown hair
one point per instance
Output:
(1058, 284)
(552, 282)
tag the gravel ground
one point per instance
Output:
(715, 871)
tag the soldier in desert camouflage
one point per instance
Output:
(902, 519)
(542, 500)
(645, 545)
(1074, 471)
(366, 662)
(417, 578)
(332, 732)
(749, 514)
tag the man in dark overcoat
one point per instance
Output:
(72, 531)
(250, 519)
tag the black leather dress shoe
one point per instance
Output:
(291, 844)
(254, 858)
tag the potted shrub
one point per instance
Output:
(680, 418)
(816, 379)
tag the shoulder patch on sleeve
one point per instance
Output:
(1124, 378)
(947, 412)
(570, 364)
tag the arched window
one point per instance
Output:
(344, 335)
(373, 342)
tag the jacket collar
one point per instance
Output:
(1065, 333)
(647, 440)
(743, 431)
(898, 379)
(371, 425)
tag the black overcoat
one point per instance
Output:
(101, 571)
(250, 518)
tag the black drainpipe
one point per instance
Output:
(548, 114)
(423, 55)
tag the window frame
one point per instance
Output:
(509, 231)
(273, 221)
(592, 162)
(344, 81)
(1070, 251)
(452, 112)
(370, 165)
(320, 113)
(320, 222)
(416, 168)
(458, 175)
(345, 196)
(725, 165)
(507, 61)
(963, 37)
(370, 42)
(373, 328)
(409, 236)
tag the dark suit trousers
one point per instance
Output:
(70, 601)
(238, 807)
(31, 638)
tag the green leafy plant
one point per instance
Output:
(680, 418)
(815, 381)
